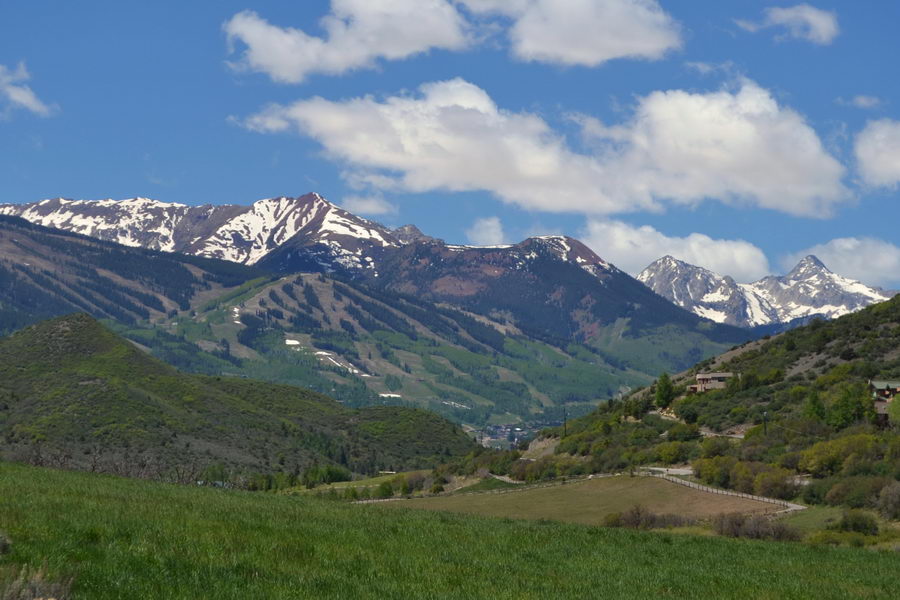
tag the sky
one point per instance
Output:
(735, 135)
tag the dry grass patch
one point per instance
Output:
(589, 501)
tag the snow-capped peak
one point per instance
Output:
(238, 233)
(809, 289)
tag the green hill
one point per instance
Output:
(75, 394)
(119, 538)
(800, 420)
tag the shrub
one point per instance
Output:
(672, 452)
(815, 492)
(684, 432)
(638, 517)
(827, 458)
(385, 490)
(755, 527)
(888, 503)
(836, 538)
(775, 483)
(5, 544)
(859, 522)
(856, 492)
(714, 471)
(715, 446)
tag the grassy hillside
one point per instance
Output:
(118, 537)
(356, 342)
(73, 393)
(801, 420)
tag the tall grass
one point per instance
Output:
(119, 538)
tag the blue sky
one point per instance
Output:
(735, 135)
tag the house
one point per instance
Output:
(883, 392)
(709, 381)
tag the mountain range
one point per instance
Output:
(300, 291)
(810, 289)
(553, 284)
(519, 333)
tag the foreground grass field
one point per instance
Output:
(122, 538)
(589, 501)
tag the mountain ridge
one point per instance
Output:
(810, 289)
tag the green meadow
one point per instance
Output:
(122, 538)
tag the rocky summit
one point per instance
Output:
(810, 289)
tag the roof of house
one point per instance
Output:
(699, 375)
(883, 384)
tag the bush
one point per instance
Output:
(835, 538)
(816, 491)
(638, 517)
(385, 490)
(5, 544)
(888, 503)
(859, 522)
(775, 483)
(827, 458)
(856, 492)
(715, 446)
(683, 433)
(755, 527)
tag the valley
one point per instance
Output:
(449, 300)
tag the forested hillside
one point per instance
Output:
(799, 418)
(355, 342)
(74, 394)
(47, 272)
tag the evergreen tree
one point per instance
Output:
(814, 408)
(665, 391)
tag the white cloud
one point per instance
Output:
(358, 33)
(19, 95)
(368, 205)
(487, 231)
(870, 260)
(736, 147)
(877, 150)
(633, 248)
(862, 101)
(802, 21)
(584, 32)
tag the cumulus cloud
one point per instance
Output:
(487, 231)
(584, 32)
(17, 94)
(870, 260)
(358, 33)
(368, 205)
(877, 149)
(733, 146)
(802, 21)
(736, 146)
(633, 248)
